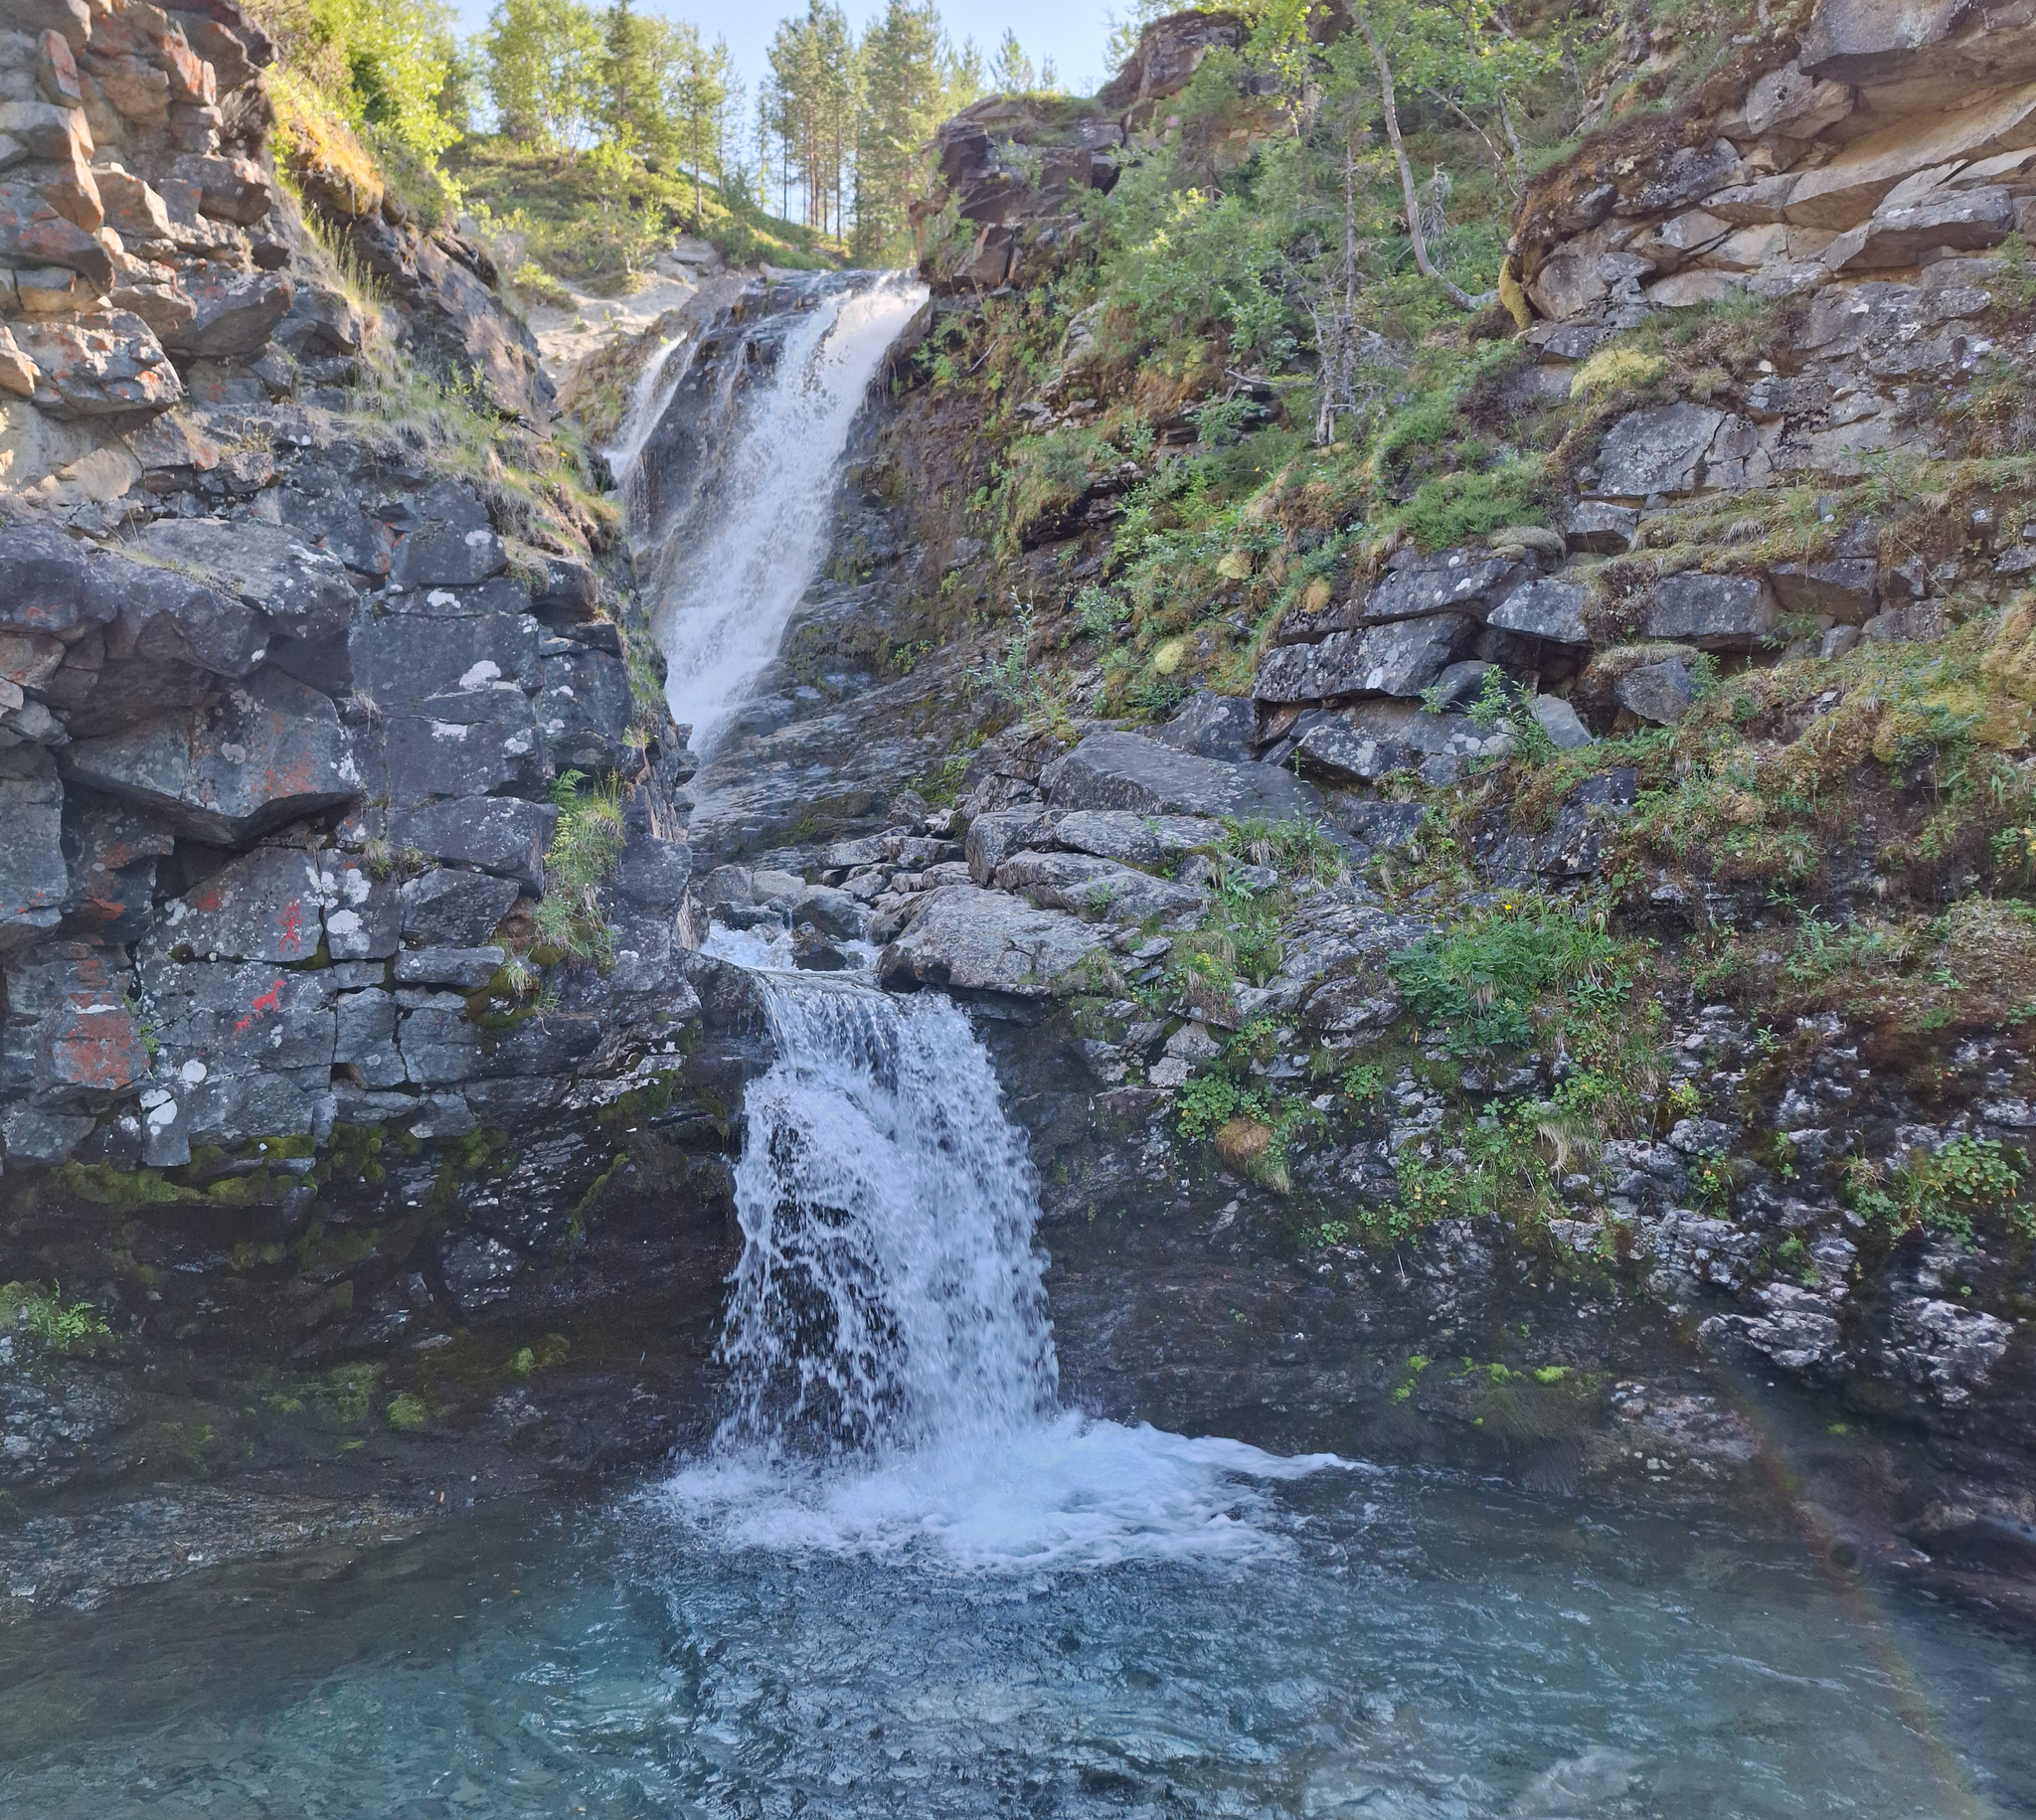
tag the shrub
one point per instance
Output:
(1483, 979)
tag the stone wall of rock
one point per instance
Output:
(286, 691)
(1857, 181)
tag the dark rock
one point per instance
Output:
(401, 660)
(363, 915)
(1386, 825)
(447, 556)
(583, 712)
(1713, 613)
(1376, 739)
(1135, 839)
(1660, 692)
(110, 850)
(477, 1271)
(336, 524)
(1212, 727)
(237, 312)
(45, 584)
(459, 910)
(994, 837)
(1560, 722)
(161, 615)
(70, 1034)
(466, 743)
(1551, 608)
(1399, 659)
(1122, 771)
(226, 771)
(1464, 580)
(35, 882)
(500, 834)
(568, 593)
(304, 592)
(1843, 587)
(365, 1039)
(261, 906)
(652, 873)
(468, 969)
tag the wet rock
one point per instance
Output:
(1948, 1349)
(500, 834)
(478, 1271)
(1122, 771)
(1400, 659)
(34, 879)
(971, 939)
(229, 770)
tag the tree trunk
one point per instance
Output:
(1461, 297)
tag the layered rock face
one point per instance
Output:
(290, 698)
(1852, 186)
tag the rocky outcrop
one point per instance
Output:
(1012, 167)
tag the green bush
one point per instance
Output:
(1483, 980)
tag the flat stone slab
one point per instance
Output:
(1125, 771)
(971, 939)
(1080, 882)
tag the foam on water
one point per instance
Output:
(745, 548)
(893, 1380)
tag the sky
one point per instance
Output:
(1071, 32)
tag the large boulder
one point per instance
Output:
(458, 909)
(232, 767)
(503, 835)
(1876, 42)
(235, 312)
(1123, 770)
(1084, 884)
(1847, 189)
(1712, 612)
(107, 365)
(304, 592)
(463, 742)
(970, 940)
(1400, 658)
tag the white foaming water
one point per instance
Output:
(648, 400)
(893, 1370)
(740, 559)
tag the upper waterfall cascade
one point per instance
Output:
(738, 547)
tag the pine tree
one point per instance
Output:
(632, 110)
(1011, 70)
(903, 94)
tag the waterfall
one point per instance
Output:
(649, 400)
(744, 536)
(893, 1385)
(888, 1292)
